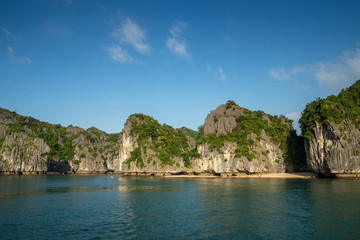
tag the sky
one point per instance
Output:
(94, 63)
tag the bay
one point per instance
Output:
(100, 207)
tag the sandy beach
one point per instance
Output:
(305, 175)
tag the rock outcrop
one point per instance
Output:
(233, 139)
(31, 146)
(334, 150)
(331, 128)
(21, 153)
(149, 147)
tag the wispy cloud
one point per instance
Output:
(176, 43)
(11, 35)
(177, 28)
(283, 74)
(19, 60)
(295, 116)
(218, 72)
(118, 54)
(331, 75)
(337, 75)
(6, 31)
(179, 48)
(113, 104)
(54, 29)
(130, 32)
(70, 3)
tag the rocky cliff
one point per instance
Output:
(331, 128)
(31, 146)
(149, 147)
(232, 139)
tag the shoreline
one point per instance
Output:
(296, 175)
(303, 175)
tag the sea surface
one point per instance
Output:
(100, 207)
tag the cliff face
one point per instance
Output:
(20, 153)
(28, 145)
(333, 149)
(150, 147)
(331, 128)
(235, 139)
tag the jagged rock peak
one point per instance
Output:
(225, 119)
(237, 139)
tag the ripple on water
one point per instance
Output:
(91, 207)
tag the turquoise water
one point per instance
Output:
(98, 207)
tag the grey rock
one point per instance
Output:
(20, 153)
(334, 151)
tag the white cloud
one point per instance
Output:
(294, 116)
(11, 35)
(334, 76)
(6, 31)
(118, 54)
(130, 32)
(179, 48)
(20, 60)
(279, 74)
(220, 74)
(282, 74)
(177, 28)
(176, 43)
(341, 74)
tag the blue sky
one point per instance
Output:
(94, 63)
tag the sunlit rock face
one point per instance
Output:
(334, 149)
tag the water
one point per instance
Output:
(98, 207)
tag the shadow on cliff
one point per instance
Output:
(59, 166)
(296, 155)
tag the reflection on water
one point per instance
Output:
(133, 207)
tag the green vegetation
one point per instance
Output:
(296, 150)
(1, 142)
(230, 104)
(333, 109)
(136, 157)
(55, 136)
(60, 139)
(189, 132)
(77, 162)
(164, 140)
(250, 123)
